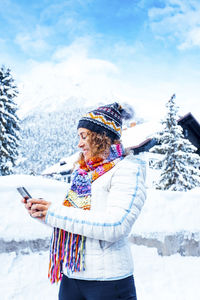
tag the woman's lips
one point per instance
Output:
(85, 151)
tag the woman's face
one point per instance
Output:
(84, 143)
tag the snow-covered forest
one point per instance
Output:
(46, 137)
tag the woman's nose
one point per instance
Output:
(80, 144)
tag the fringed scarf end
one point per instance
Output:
(66, 249)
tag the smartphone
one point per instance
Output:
(23, 192)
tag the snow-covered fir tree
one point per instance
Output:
(9, 122)
(180, 165)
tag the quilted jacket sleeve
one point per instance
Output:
(125, 200)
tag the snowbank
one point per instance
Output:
(163, 213)
(169, 212)
(15, 223)
(170, 222)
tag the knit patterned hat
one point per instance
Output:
(106, 119)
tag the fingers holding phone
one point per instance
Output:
(39, 208)
(26, 196)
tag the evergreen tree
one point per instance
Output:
(9, 122)
(180, 165)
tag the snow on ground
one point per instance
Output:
(15, 223)
(25, 277)
(169, 212)
(157, 278)
(162, 278)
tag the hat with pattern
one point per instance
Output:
(107, 118)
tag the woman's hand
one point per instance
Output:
(37, 208)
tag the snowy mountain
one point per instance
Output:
(49, 104)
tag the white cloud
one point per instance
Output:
(66, 17)
(122, 49)
(30, 45)
(78, 48)
(6, 58)
(34, 42)
(178, 21)
(192, 39)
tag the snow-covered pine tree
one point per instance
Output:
(9, 122)
(180, 164)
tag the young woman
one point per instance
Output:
(90, 252)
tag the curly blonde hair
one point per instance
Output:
(100, 144)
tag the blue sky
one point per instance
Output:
(140, 51)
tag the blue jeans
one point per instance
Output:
(76, 289)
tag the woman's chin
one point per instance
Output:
(86, 156)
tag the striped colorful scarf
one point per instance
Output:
(66, 248)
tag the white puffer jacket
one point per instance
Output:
(117, 198)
